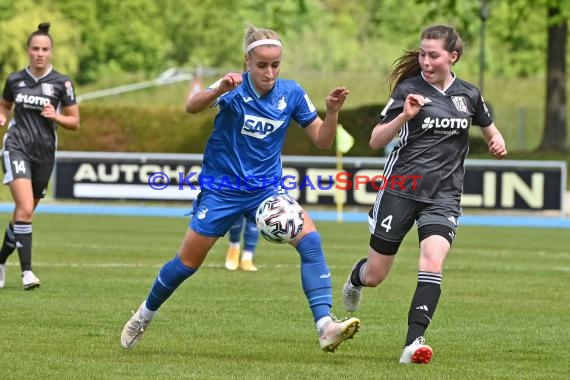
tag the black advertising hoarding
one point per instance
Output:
(489, 184)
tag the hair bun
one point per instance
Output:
(44, 27)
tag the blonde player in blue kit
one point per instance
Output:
(241, 168)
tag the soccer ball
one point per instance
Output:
(279, 219)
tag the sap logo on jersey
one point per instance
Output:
(32, 100)
(259, 127)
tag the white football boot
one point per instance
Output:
(2, 275)
(337, 332)
(134, 329)
(417, 352)
(29, 280)
(351, 295)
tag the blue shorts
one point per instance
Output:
(213, 212)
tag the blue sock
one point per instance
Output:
(250, 236)
(315, 275)
(235, 230)
(170, 276)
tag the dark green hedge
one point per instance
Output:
(132, 129)
(171, 130)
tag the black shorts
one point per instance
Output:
(16, 165)
(392, 217)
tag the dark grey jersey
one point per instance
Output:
(428, 162)
(29, 132)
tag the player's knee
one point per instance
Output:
(24, 213)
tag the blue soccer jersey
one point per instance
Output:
(243, 153)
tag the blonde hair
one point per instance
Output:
(253, 34)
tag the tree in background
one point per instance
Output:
(555, 135)
(209, 33)
(24, 18)
(126, 36)
(110, 42)
(519, 40)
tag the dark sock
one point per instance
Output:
(423, 304)
(355, 274)
(9, 244)
(23, 235)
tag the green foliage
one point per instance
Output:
(202, 34)
(210, 32)
(130, 39)
(158, 129)
(104, 43)
(518, 117)
(99, 38)
(16, 30)
(135, 129)
(142, 46)
(517, 51)
(92, 49)
(171, 130)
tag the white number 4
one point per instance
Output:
(386, 223)
(19, 166)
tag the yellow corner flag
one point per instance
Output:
(344, 141)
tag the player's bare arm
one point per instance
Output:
(5, 108)
(382, 134)
(197, 102)
(322, 132)
(69, 119)
(495, 141)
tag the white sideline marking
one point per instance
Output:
(127, 265)
(214, 266)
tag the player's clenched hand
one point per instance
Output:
(335, 99)
(229, 82)
(412, 105)
(49, 112)
(497, 146)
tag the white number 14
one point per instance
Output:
(19, 166)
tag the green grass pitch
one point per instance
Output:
(504, 310)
